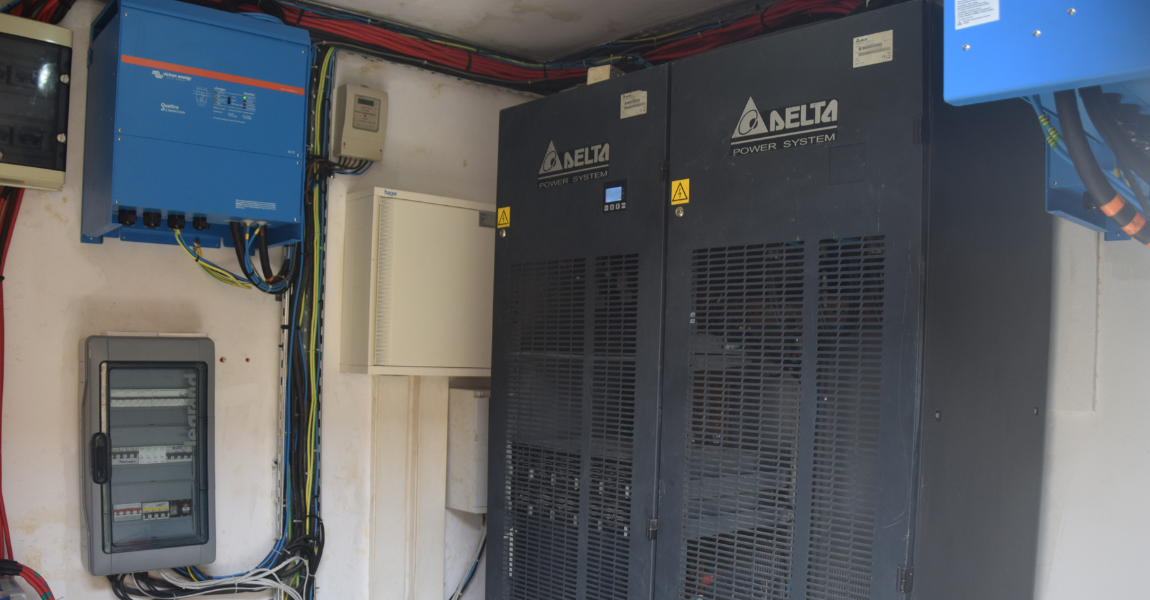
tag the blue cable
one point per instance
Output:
(281, 286)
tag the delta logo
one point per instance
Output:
(788, 127)
(574, 166)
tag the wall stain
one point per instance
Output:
(437, 90)
(372, 67)
(465, 162)
(519, 8)
(55, 215)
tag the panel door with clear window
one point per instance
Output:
(155, 421)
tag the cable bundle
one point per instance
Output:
(1097, 183)
(289, 569)
(11, 568)
(779, 16)
(10, 200)
(48, 11)
(403, 44)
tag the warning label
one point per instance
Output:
(680, 191)
(504, 219)
(968, 13)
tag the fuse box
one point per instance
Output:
(35, 69)
(195, 117)
(148, 476)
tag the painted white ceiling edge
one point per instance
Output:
(538, 29)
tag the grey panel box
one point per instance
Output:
(148, 463)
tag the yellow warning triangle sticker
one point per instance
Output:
(681, 191)
(504, 219)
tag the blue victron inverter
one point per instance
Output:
(194, 116)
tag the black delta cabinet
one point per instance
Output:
(575, 362)
(852, 346)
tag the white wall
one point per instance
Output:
(1095, 524)
(442, 138)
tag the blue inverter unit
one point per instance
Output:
(998, 49)
(193, 114)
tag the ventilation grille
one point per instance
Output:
(742, 434)
(383, 293)
(848, 371)
(612, 426)
(544, 427)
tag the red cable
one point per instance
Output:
(14, 207)
(37, 582)
(47, 12)
(11, 228)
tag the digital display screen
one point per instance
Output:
(613, 194)
(365, 101)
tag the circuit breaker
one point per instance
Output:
(148, 473)
(35, 69)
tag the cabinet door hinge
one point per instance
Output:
(905, 580)
(652, 529)
(664, 167)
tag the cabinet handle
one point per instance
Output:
(101, 459)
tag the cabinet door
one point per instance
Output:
(155, 418)
(792, 318)
(577, 336)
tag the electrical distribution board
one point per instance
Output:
(35, 70)
(854, 330)
(148, 476)
(195, 117)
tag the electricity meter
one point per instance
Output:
(148, 472)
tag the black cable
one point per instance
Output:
(292, 262)
(1107, 126)
(873, 5)
(9, 217)
(1078, 147)
(265, 259)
